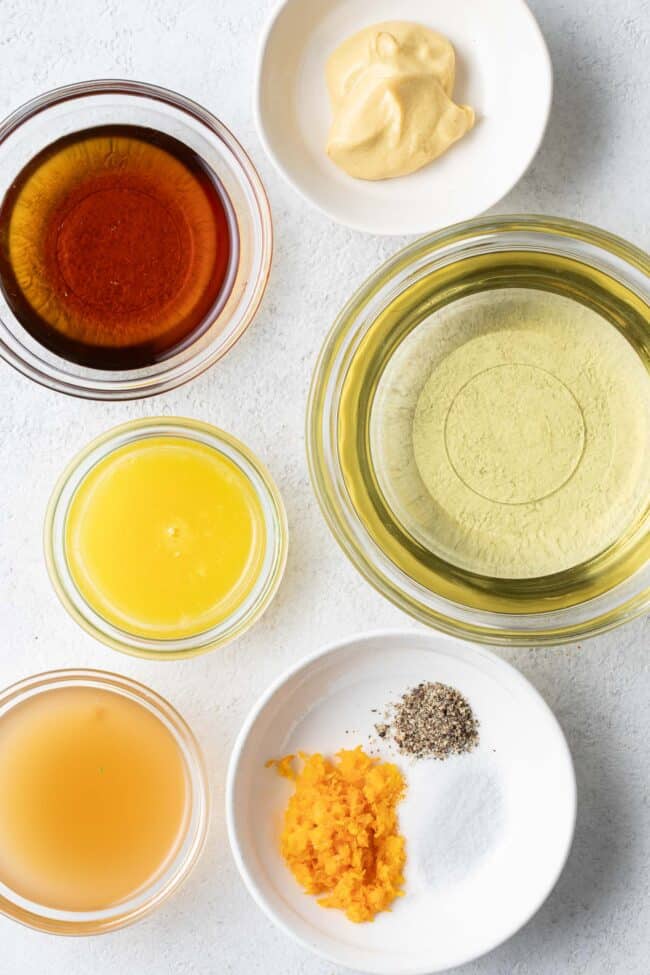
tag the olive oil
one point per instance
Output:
(361, 461)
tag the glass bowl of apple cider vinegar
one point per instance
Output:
(166, 538)
(103, 801)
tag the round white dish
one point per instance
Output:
(503, 71)
(457, 907)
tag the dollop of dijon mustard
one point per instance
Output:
(390, 89)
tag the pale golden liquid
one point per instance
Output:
(544, 272)
(93, 798)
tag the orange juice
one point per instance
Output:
(94, 798)
(165, 537)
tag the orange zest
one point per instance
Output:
(340, 837)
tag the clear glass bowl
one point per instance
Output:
(144, 902)
(595, 268)
(243, 616)
(111, 102)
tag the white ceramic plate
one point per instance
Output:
(519, 784)
(503, 71)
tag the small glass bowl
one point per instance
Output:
(144, 902)
(590, 266)
(243, 616)
(72, 108)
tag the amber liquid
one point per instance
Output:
(93, 798)
(117, 247)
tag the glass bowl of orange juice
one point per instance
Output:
(103, 801)
(166, 538)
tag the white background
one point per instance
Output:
(593, 166)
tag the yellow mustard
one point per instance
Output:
(390, 89)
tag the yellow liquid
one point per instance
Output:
(439, 570)
(165, 537)
(93, 798)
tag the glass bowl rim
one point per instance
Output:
(276, 545)
(449, 245)
(47, 919)
(47, 375)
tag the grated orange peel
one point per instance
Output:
(340, 836)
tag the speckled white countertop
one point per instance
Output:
(593, 166)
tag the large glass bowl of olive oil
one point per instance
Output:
(479, 430)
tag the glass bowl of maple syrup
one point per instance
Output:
(135, 240)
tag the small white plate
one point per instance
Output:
(518, 785)
(503, 71)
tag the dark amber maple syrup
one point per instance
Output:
(118, 247)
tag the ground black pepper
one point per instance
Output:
(431, 721)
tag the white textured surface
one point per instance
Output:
(592, 166)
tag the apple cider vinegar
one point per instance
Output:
(94, 798)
